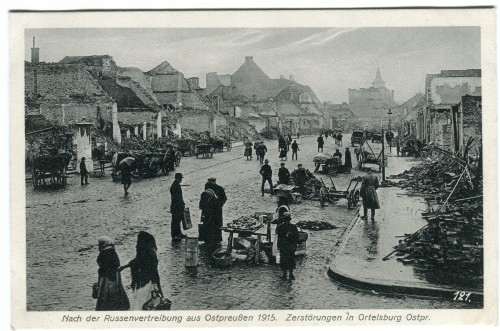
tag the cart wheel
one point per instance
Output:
(356, 198)
(322, 196)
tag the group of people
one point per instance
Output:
(284, 145)
(144, 266)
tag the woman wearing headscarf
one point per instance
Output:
(110, 295)
(144, 271)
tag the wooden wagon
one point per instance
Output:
(204, 150)
(331, 194)
(49, 170)
(186, 147)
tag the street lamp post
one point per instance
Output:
(389, 131)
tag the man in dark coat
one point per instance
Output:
(368, 192)
(337, 153)
(261, 151)
(288, 239)
(283, 175)
(177, 206)
(348, 161)
(267, 174)
(321, 142)
(84, 174)
(221, 199)
(295, 148)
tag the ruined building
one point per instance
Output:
(443, 119)
(251, 94)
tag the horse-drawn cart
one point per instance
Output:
(186, 147)
(220, 144)
(331, 194)
(49, 170)
(204, 150)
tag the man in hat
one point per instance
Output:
(84, 174)
(177, 206)
(301, 178)
(283, 175)
(368, 192)
(267, 174)
(321, 142)
(288, 239)
(221, 201)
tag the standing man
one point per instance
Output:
(338, 153)
(177, 206)
(84, 174)
(368, 192)
(321, 142)
(267, 174)
(221, 199)
(295, 148)
(126, 177)
(398, 147)
(348, 161)
(283, 175)
(288, 239)
(261, 150)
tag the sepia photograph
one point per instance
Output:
(250, 167)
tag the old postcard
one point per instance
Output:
(253, 168)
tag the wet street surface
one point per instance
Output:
(63, 226)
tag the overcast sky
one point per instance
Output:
(329, 60)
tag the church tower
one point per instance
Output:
(378, 82)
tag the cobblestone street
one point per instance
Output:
(63, 226)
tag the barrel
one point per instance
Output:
(191, 252)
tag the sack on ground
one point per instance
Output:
(186, 221)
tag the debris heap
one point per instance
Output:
(453, 236)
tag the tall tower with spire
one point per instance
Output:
(378, 82)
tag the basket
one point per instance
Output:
(301, 249)
(222, 258)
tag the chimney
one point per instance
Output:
(35, 53)
(248, 59)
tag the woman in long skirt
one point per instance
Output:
(110, 295)
(144, 270)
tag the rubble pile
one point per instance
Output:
(434, 178)
(453, 236)
(316, 225)
(195, 135)
(272, 133)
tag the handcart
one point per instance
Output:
(331, 194)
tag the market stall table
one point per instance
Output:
(258, 231)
